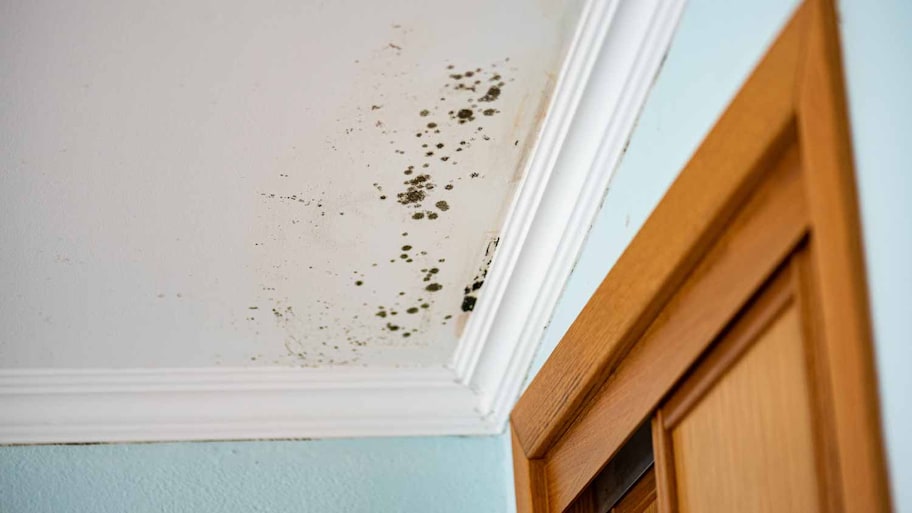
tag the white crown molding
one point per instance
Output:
(43, 406)
(617, 54)
(613, 59)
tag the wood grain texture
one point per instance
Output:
(664, 465)
(528, 480)
(585, 503)
(641, 498)
(827, 455)
(747, 445)
(770, 226)
(713, 185)
(839, 264)
(778, 294)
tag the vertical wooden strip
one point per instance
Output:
(664, 466)
(528, 480)
(827, 452)
(838, 262)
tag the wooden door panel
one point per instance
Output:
(747, 445)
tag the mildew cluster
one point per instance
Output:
(470, 293)
(439, 134)
(467, 95)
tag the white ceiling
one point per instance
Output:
(189, 184)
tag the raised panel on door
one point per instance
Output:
(740, 432)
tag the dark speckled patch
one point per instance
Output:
(471, 291)
(492, 95)
(426, 153)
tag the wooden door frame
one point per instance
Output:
(796, 95)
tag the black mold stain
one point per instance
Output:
(416, 190)
(415, 194)
(455, 118)
(429, 273)
(411, 196)
(470, 293)
(492, 94)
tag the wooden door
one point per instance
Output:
(736, 321)
(743, 431)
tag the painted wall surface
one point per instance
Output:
(446, 475)
(717, 44)
(877, 43)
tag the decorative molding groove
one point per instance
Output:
(613, 59)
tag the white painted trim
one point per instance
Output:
(615, 59)
(209, 404)
(615, 55)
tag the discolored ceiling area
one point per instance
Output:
(260, 184)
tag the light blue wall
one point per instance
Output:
(877, 46)
(717, 44)
(421, 475)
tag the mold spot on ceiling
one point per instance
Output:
(430, 151)
(471, 291)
